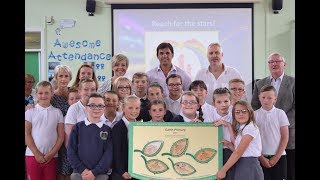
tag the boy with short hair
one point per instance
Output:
(139, 85)
(90, 149)
(273, 124)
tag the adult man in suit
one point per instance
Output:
(285, 86)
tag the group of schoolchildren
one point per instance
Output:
(83, 130)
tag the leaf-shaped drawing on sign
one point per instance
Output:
(182, 168)
(204, 155)
(155, 166)
(151, 148)
(178, 148)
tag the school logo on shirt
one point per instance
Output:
(103, 135)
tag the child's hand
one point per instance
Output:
(29, 106)
(126, 175)
(221, 174)
(228, 144)
(88, 176)
(48, 157)
(40, 158)
(85, 172)
(273, 160)
(196, 120)
(264, 162)
(220, 122)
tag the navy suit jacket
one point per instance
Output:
(120, 148)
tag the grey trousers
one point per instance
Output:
(77, 176)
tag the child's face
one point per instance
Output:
(97, 110)
(86, 89)
(157, 112)
(201, 93)
(267, 99)
(154, 93)
(236, 90)
(131, 109)
(124, 89)
(140, 84)
(241, 113)
(175, 86)
(85, 72)
(73, 97)
(120, 68)
(63, 78)
(222, 103)
(189, 105)
(44, 94)
(112, 102)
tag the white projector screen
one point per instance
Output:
(190, 28)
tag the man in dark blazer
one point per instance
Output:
(285, 86)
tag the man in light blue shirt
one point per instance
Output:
(160, 73)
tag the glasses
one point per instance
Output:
(243, 111)
(124, 87)
(93, 106)
(277, 61)
(174, 85)
(237, 89)
(189, 102)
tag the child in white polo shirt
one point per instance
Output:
(44, 135)
(273, 125)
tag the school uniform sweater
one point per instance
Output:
(90, 147)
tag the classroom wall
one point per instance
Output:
(272, 32)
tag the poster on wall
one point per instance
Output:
(51, 66)
(67, 45)
(174, 150)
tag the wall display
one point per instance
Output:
(190, 28)
(66, 46)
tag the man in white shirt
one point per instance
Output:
(217, 74)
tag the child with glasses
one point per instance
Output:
(237, 90)
(222, 117)
(122, 86)
(44, 135)
(189, 106)
(131, 109)
(90, 145)
(174, 83)
(199, 88)
(273, 124)
(247, 146)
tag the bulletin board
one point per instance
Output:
(174, 150)
(73, 43)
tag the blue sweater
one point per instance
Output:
(88, 149)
